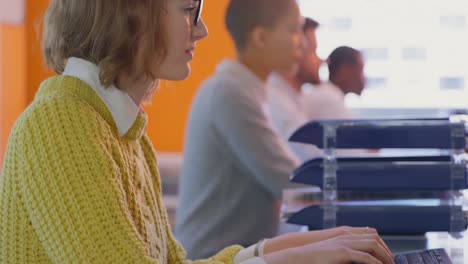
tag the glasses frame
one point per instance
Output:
(198, 13)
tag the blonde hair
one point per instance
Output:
(106, 33)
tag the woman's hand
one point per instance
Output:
(360, 248)
(293, 240)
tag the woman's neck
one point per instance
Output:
(137, 88)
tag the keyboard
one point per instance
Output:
(431, 256)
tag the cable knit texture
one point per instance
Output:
(73, 191)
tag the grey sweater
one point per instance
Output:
(235, 166)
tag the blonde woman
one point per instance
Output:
(80, 182)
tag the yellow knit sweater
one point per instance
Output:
(73, 191)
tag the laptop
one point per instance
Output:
(431, 256)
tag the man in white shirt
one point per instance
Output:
(346, 75)
(290, 107)
(235, 165)
(287, 103)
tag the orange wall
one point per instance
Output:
(12, 79)
(36, 71)
(169, 109)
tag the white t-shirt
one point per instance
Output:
(326, 101)
(290, 109)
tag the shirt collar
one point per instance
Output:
(121, 106)
(279, 85)
(332, 87)
(244, 75)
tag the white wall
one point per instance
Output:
(416, 50)
(11, 11)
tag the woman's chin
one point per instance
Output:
(179, 74)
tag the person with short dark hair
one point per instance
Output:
(287, 102)
(346, 75)
(235, 165)
(345, 67)
(308, 69)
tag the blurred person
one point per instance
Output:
(287, 102)
(235, 165)
(346, 75)
(291, 107)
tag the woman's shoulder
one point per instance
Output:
(57, 106)
(54, 99)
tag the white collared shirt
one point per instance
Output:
(327, 101)
(290, 109)
(121, 106)
(288, 112)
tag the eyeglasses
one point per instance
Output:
(198, 13)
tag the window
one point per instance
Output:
(340, 24)
(376, 82)
(375, 53)
(453, 21)
(415, 51)
(452, 83)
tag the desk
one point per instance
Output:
(456, 248)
